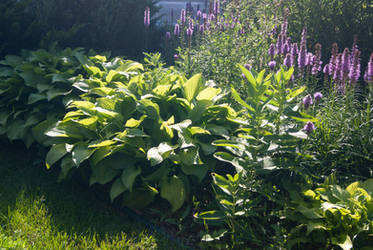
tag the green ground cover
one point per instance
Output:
(38, 213)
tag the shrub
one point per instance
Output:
(144, 133)
(33, 90)
(332, 216)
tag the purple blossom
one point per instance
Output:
(271, 51)
(189, 32)
(345, 61)
(293, 52)
(316, 67)
(309, 59)
(304, 37)
(279, 44)
(287, 60)
(285, 48)
(326, 69)
(272, 65)
(307, 101)
(247, 66)
(317, 96)
(201, 29)
(182, 16)
(302, 57)
(368, 75)
(168, 35)
(216, 7)
(309, 127)
(177, 30)
(176, 57)
(191, 26)
(337, 69)
(199, 15)
(354, 71)
(204, 17)
(147, 16)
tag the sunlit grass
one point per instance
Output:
(38, 213)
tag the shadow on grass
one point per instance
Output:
(72, 208)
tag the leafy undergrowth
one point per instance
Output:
(38, 213)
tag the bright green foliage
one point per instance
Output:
(33, 90)
(332, 216)
(265, 152)
(145, 133)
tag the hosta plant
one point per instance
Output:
(145, 136)
(33, 90)
(331, 216)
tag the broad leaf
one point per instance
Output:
(56, 152)
(173, 190)
(191, 87)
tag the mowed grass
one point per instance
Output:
(36, 212)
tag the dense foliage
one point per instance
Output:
(250, 132)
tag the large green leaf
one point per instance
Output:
(81, 152)
(129, 175)
(197, 170)
(56, 152)
(103, 173)
(208, 94)
(191, 87)
(173, 190)
(157, 154)
(117, 188)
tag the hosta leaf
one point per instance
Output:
(149, 108)
(191, 87)
(101, 91)
(173, 190)
(35, 97)
(111, 75)
(155, 154)
(129, 175)
(93, 70)
(103, 173)
(190, 156)
(66, 165)
(105, 113)
(100, 154)
(15, 130)
(130, 66)
(82, 86)
(102, 144)
(139, 197)
(56, 152)
(4, 117)
(197, 170)
(88, 122)
(158, 174)
(81, 152)
(208, 94)
(198, 130)
(117, 188)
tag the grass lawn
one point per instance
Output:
(36, 212)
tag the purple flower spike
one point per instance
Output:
(309, 127)
(199, 15)
(354, 73)
(317, 96)
(346, 61)
(182, 16)
(247, 66)
(287, 60)
(307, 101)
(272, 65)
(271, 51)
(168, 36)
(201, 29)
(326, 69)
(302, 58)
(189, 32)
(147, 17)
(368, 75)
(177, 30)
(191, 26)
